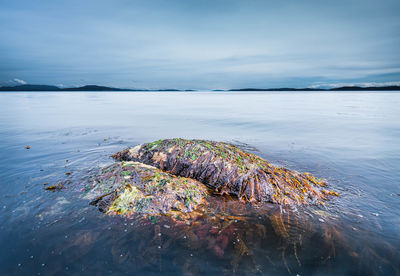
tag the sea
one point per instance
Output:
(351, 139)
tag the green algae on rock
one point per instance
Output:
(227, 169)
(126, 188)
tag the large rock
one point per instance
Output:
(228, 169)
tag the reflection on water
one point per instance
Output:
(349, 138)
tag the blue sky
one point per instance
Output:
(200, 44)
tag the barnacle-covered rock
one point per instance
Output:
(227, 169)
(128, 188)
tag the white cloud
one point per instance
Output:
(19, 81)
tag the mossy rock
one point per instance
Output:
(227, 169)
(128, 188)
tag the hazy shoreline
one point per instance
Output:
(96, 88)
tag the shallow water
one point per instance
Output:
(349, 138)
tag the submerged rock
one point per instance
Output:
(127, 188)
(174, 177)
(227, 169)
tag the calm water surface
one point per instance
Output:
(352, 139)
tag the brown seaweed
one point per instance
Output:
(227, 169)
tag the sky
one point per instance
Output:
(200, 44)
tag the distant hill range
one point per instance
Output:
(343, 88)
(33, 87)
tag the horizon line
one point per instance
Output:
(92, 87)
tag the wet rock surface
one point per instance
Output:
(127, 188)
(227, 169)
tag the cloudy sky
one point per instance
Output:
(200, 43)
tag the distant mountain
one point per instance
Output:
(93, 88)
(30, 87)
(33, 87)
(357, 88)
(344, 88)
